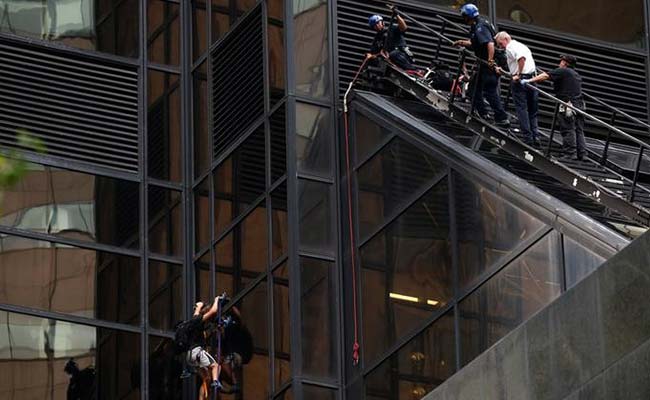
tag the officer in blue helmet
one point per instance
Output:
(481, 42)
(390, 40)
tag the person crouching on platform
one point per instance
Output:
(390, 41)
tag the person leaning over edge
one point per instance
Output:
(481, 41)
(567, 84)
(521, 65)
(396, 48)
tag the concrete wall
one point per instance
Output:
(591, 343)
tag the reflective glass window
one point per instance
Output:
(509, 298)
(489, 227)
(406, 272)
(220, 18)
(109, 26)
(579, 261)
(281, 325)
(314, 138)
(165, 295)
(71, 280)
(315, 217)
(202, 278)
(199, 28)
(368, 135)
(418, 367)
(581, 17)
(310, 46)
(318, 393)
(318, 331)
(202, 215)
(40, 356)
(277, 55)
(239, 180)
(279, 218)
(165, 221)
(163, 40)
(278, 124)
(200, 123)
(164, 370)
(285, 395)
(74, 205)
(388, 180)
(164, 127)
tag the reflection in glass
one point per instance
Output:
(202, 215)
(279, 218)
(199, 28)
(202, 278)
(73, 205)
(109, 26)
(318, 393)
(587, 20)
(163, 40)
(368, 135)
(164, 370)
(34, 352)
(389, 179)
(70, 280)
(278, 124)
(489, 227)
(165, 295)
(276, 60)
(579, 261)
(318, 330)
(313, 139)
(282, 318)
(239, 180)
(220, 18)
(315, 219)
(418, 367)
(200, 114)
(310, 45)
(165, 221)
(164, 126)
(509, 298)
(406, 272)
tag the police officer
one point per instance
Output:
(481, 42)
(393, 39)
(567, 84)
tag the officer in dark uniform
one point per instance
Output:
(481, 42)
(567, 84)
(393, 39)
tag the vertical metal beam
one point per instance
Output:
(646, 36)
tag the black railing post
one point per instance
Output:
(477, 81)
(630, 196)
(442, 33)
(550, 139)
(603, 159)
(461, 62)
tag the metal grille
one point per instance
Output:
(81, 108)
(238, 81)
(609, 74)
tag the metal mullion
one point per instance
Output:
(254, 126)
(166, 184)
(563, 269)
(381, 146)
(166, 259)
(313, 101)
(317, 256)
(199, 60)
(275, 264)
(232, 28)
(322, 384)
(237, 220)
(455, 259)
(411, 200)
(316, 178)
(70, 318)
(168, 69)
(144, 194)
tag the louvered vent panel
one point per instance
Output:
(81, 108)
(614, 76)
(238, 81)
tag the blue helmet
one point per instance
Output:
(374, 20)
(469, 10)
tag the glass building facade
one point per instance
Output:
(98, 263)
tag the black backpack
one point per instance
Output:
(184, 332)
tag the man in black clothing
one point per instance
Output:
(481, 42)
(237, 346)
(198, 356)
(567, 84)
(390, 41)
(82, 382)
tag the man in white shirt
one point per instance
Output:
(521, 66)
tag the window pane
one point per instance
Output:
(200, 127)
(164, 370)
(579, 261)
(406, 272)
(368, 135)
(589, 20)
(240, 180)
(165, 295)
(85, 24)
(509, 298)
(202, 215)
(74, 205)
(419, 367)
(164, 127)
(202, 279)
(318, 318)
(318, 393)
(314, 139)
(165, 221)
(199, 28)
(388, 180)
(277, 56)
(35, 352)
(163, 19)
(66, 279)
(315, 219)
(278, 124)
(281, 325)
(489, 227)
(311, 48)
(220, 19)
(279, 217)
